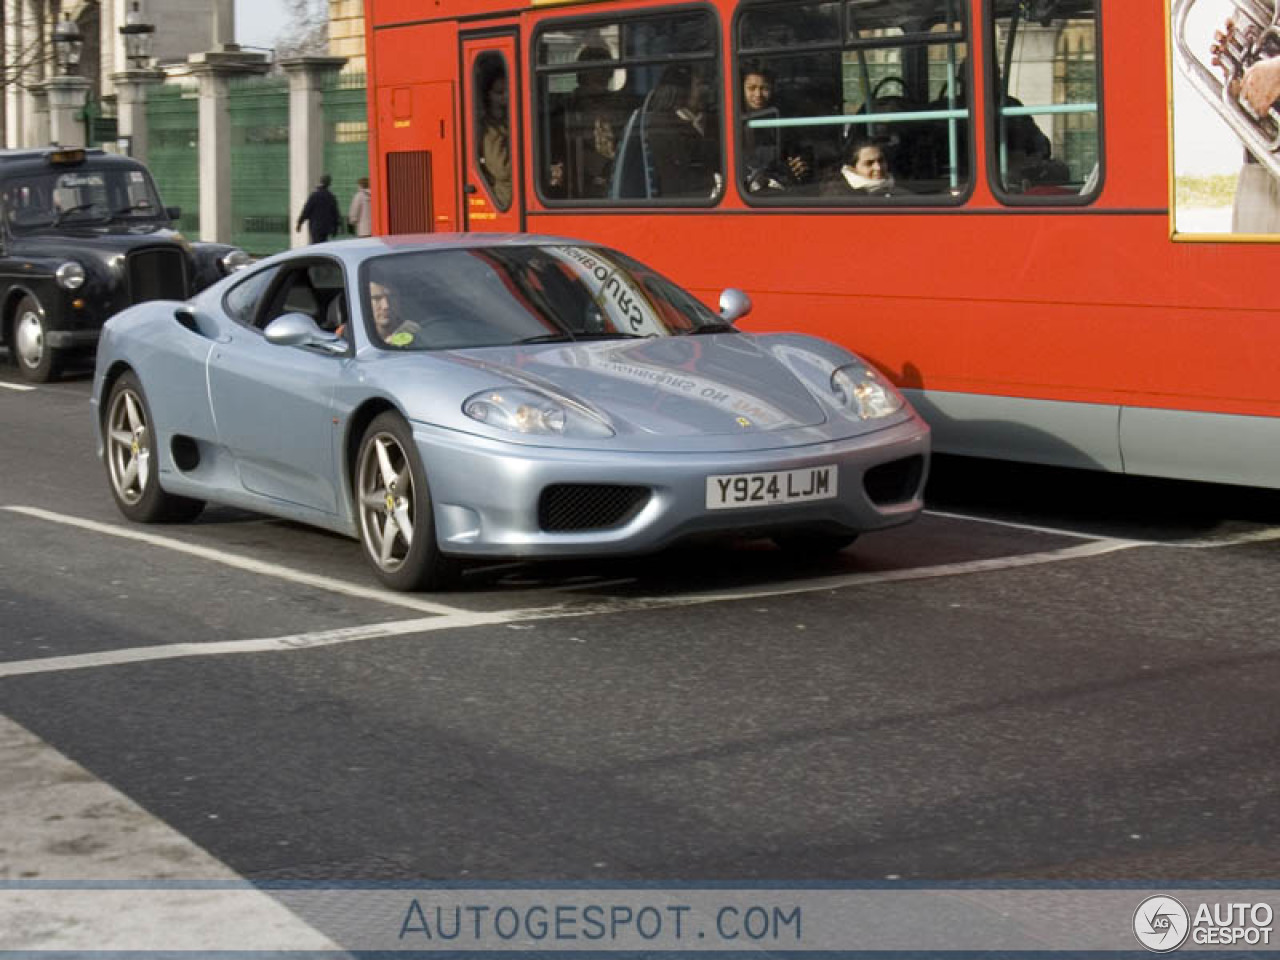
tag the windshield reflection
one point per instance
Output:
(503, 296)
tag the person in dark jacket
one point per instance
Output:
(320, 212)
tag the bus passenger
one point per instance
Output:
(684, 135)
(592, 121)
(866, 174)
(495, 139)
(764, 148)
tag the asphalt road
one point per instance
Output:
(1050, 676)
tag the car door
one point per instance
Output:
(273, 405)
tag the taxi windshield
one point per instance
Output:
(61, 197)
(507, 295)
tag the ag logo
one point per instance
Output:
(1161, 924)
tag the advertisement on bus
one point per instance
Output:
(1226, 127)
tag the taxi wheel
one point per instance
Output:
(815, 545)
(393, 502)
(29, 343)
(133, 465)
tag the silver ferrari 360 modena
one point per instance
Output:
(445, 397)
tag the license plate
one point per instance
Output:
(730, 490)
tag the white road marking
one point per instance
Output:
(1012, 524)
(464, 619)
(63, 825)
(1237, 540)
(20, 387)
(243, 563)
(1210, 543)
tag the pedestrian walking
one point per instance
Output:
(360, 213)
(320, 212)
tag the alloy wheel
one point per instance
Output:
(385, 489)
(128, 446)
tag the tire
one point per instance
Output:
(29, 343)
(393, 502)
(133, 464)
(814, 545)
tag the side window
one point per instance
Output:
(861, 101)
(241, 301)
(628, 111)
(494, 125)
(1045, 74)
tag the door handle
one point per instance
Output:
(469, 188)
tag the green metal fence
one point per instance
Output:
(173, 141)
(260, 216)
(346, 134)
(101, 128)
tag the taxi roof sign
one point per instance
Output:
(67, 155)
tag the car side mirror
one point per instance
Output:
(173, 213)
(734, 304)
(300, 330)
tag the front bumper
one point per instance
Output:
(72, 339)
(486, 493)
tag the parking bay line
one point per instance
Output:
(243, 563)
(464, 619)
(20, 387)
(1205, 543)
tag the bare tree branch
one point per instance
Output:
(307, 31)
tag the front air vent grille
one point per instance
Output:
(589, 506)
(894, 482)
(158, 273)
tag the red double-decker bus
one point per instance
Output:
(976, 195)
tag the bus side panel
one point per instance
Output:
(415, 124)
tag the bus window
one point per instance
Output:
(493, 120)
(882, 75)
(1045, 72)
(628, 110)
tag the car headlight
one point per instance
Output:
(864, 393)
(533, 413)
(70, 275)
(235, 260)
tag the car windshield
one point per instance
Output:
(61, 197)
(506, 295)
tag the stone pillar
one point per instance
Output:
(224, 25)
(66, 110)
(213, 70)
(35, 117)
(307, 77)
(131, 107)
(13, 99)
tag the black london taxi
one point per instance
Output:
(84, 235)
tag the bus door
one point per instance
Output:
(491, 181)
(415, 135)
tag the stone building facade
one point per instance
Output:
(346, 33)
(183, 27)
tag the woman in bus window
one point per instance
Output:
(495, 139)
(767, 167)
(866, 174)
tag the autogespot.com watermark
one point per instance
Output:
(557, 924)
(1162, 924)
(1002, 920)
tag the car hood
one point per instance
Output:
(105, 240)
(670, 386)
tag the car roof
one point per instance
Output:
(413, 241)
(36, 160)
(357, 250)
